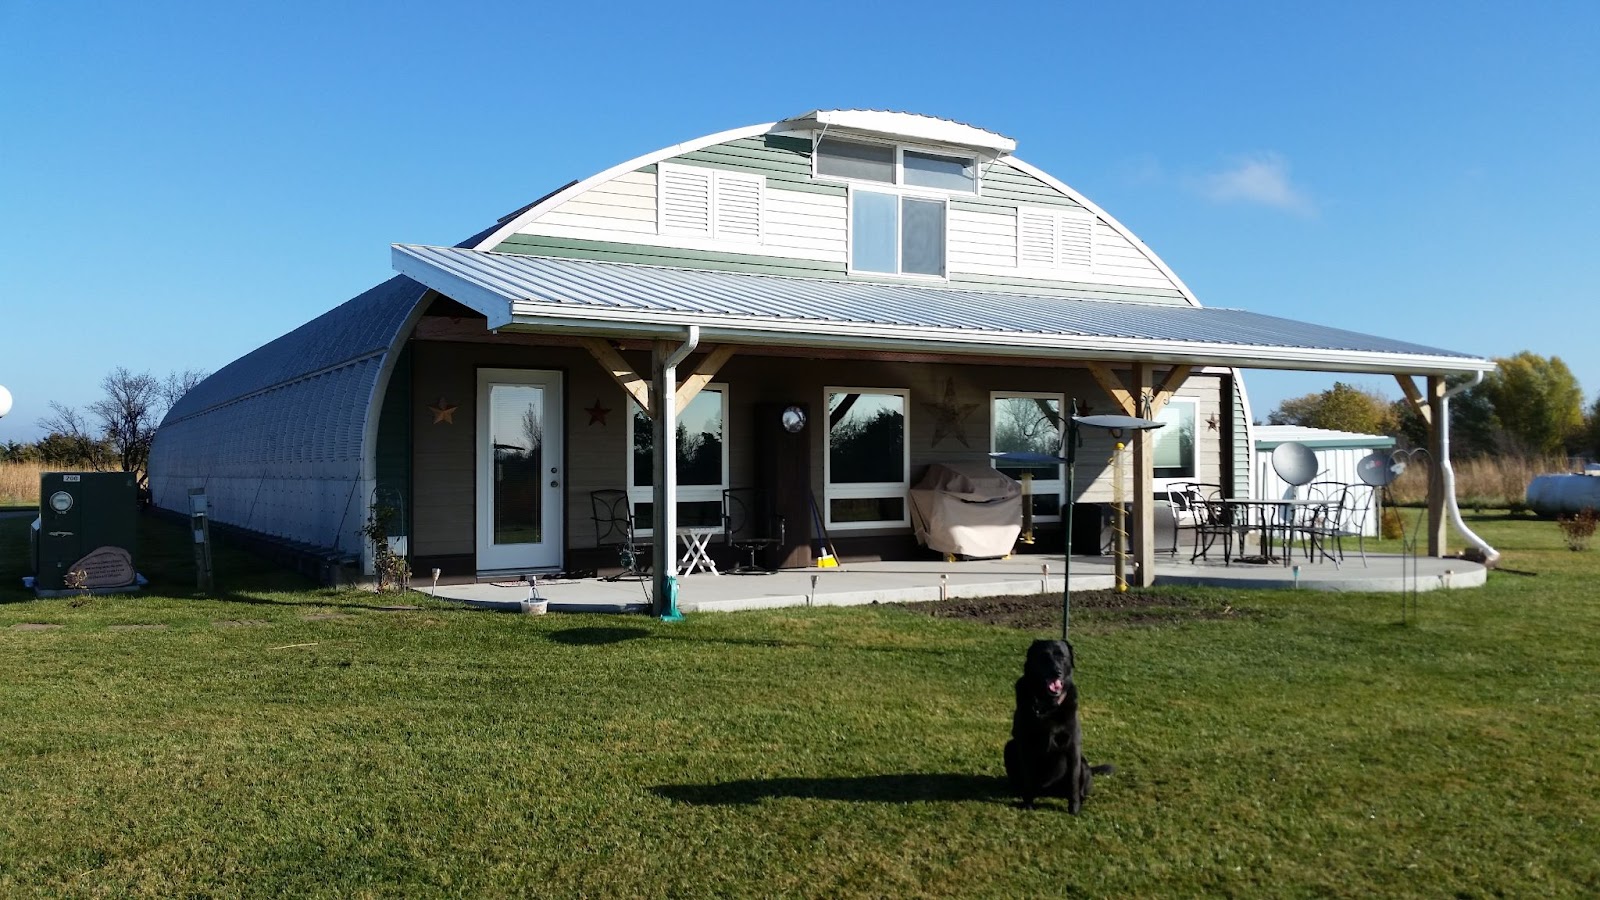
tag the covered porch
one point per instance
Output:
(1129, 357)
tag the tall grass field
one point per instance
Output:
(280, 740)
(19, 482)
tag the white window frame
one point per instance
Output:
(877, 187)
(714, 228)
(899, 166)
(1041, 486)
(687, 493)
(1166, 481)
(902, 489)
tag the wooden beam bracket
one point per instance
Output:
(619, 370)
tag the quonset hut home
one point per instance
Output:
(904, 287)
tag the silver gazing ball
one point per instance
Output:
(794, 419)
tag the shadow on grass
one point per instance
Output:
(915, 787)
(585, 637)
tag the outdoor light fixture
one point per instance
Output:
(1114, 424)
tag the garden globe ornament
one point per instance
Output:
(5, 401)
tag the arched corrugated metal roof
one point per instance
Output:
(278, 438)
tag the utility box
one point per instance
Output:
(86, 536)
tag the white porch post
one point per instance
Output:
(1437, 450)
(664, 360)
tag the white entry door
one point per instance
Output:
(520, 471)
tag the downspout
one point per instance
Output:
(1490, 555)
(664, 422)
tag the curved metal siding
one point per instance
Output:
(276, 438)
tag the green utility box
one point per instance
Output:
(86, 535)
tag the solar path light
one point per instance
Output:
(1117, 425)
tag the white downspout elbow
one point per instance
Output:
(1490, 555)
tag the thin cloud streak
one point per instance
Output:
(1261, 180)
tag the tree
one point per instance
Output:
(1342, 407)
(1473, 428)
(123, 423)
(1537, 403)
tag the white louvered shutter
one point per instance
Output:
(685, 200)
(1052, 239)
(737, 216)
(1036, 239)
(1076, 241)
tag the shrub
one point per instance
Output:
(1578, 528)
(394, 573)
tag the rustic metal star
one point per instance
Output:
(1212, 422)
(444, 412)
(597, 413)
(949, 416)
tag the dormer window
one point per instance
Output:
(889, 164)
(898, 228)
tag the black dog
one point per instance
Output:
(1044, 757)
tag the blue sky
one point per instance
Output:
(180, 183)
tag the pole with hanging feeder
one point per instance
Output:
(1116, 425)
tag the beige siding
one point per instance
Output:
(597, 454)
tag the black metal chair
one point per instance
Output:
(613, 527)
(752, 526)
(1213, 519)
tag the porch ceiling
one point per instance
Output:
(522, 292)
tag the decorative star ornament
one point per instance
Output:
(597, 413)
(950, 415)
(444, 412)
(1212, 422)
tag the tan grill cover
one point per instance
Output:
(967, 508)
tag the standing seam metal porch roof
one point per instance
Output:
(517, 289)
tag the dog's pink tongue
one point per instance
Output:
(1055, 686)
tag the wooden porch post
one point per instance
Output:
(1144, 517)
(1436, 451)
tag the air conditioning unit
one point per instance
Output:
(87, 533)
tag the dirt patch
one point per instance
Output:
(239, 623)
(34, 626)
(1090, 608)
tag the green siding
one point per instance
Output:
(394, 441)
(577, 248)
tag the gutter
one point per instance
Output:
(1491, 556)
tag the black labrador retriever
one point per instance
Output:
(1044, 757)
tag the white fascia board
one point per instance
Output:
(470, 291)
(861, 336)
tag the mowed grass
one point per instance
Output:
(291, 741)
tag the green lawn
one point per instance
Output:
(288, 741)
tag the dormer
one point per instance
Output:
(901, 171)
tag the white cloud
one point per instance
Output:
(1262, 180)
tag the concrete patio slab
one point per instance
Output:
(905, 582)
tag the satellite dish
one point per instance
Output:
(1294, 463)
(1119, 423)
(1379, 469)
(5, 401)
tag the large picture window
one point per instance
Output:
(868, 462)
(1173, 447)
(702, 461)
(1030, 423)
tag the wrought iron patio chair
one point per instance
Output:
(612, 512)
(752, 526)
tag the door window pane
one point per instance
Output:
(847, 159)
(516, 425)
(874, 232)
(922, 242)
